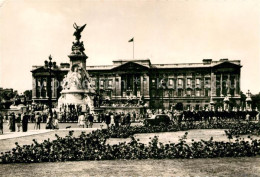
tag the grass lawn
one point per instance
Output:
(178, 167)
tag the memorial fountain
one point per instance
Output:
(76, 88)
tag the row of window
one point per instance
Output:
(172, 83)
(180, 93)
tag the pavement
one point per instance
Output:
(31, 131)
(9, 135)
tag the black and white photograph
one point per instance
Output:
(130, 88)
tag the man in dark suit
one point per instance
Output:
(107, 119)
(25, 118)
(90, 120)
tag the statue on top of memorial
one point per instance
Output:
(79, 29)
(78, 47)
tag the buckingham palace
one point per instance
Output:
(158, 86)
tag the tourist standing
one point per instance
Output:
(1, 124)
(32, 116)
(49, 124)
(86, 120)
(18, 121)
(134, 116)
(112, 115)
(81, 120)
(117, 119)
(25, 122)
(38, 120)
(128, 120)
(56, 122)
(107, 119)
(11, 120)
(90, 119)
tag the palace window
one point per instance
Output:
(170, 82)
(110, 82)
(197, 81)
(180, 92)
(189, 92)
(197, 92)
(153, 83)
(189, 82)
(180, 83)
(207, 82)
(101, 83)
(207, 92)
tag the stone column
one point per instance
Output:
(146, 86)
(228, 84)
(221, 93)
(142, 85)
(202, 85)
(34, 84)
(235, 86)
(213, 84)
(118, 85)
(40, 85)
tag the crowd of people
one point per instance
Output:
(218, 114)
(19, 122)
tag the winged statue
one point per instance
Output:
(79, 29)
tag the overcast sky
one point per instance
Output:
(176, 31)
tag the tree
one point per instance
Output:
(256, 101)
(28, 94)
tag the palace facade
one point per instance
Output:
(156, 86)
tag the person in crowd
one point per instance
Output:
(128, 120)
(81, 120)
(90, 120)
(60, 116)
(1, 124)
(55, 115)
(11, 122)
(6, 117)
(25, 118)
(44, 117)
(18, 121)
(49, 123)
(117, 119)
(99, 117)
(134, 116)
(32, 116)
(86, 120)
(55, 122)
(112, 123)
(107, 119)
(37, 122)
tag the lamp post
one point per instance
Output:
(49, 65)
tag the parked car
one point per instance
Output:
(157, 119)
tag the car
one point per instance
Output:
(157, 120)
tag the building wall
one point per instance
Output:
(161, 86)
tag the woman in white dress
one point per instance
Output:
(81, 120)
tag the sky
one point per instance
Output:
(173, 31)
